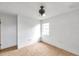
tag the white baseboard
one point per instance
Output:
(61, 47)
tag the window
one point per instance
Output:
(45, 29)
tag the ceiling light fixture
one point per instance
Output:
(42, 10)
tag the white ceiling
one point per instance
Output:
(30, 9)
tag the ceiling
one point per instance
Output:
(30, 9)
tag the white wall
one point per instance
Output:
(28, 31)
(64, 31)
(8, 30)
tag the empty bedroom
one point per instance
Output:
(39, 28)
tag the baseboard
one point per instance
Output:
(59, 48)
(8, 49)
